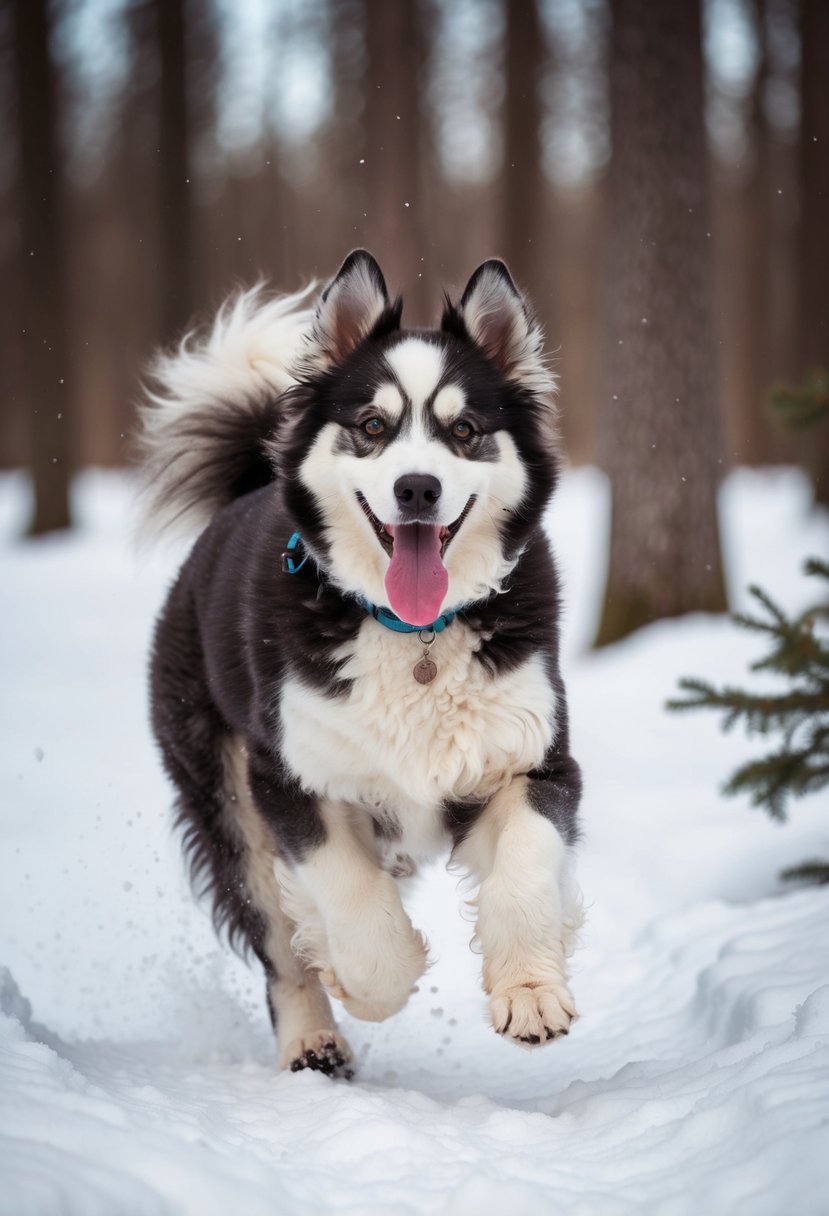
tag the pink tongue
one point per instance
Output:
(416, 580)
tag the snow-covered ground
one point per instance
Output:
(136, 1060)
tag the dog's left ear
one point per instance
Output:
(354, 305)
(493, 313)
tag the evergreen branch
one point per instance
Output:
(813, 779)
(706, 696)
(705, 692)
(800, 406)
(751, 622)
(819, 738)
(800, 714)
(814, 871)
(761, 710)
(769, 781)
(802, 654)
(773, 779)
(815, 566)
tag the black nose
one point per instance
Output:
(416, 492)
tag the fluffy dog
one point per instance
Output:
(358, 668)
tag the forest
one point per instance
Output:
(656, 177)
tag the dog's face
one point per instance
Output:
(420, 459)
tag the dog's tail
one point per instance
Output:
(214, 402)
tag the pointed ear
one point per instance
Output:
(494, 315)
(352, 306)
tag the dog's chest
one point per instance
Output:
(403, 749)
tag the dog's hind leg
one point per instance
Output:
(300, 1010)
(230, 848)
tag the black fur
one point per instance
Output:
(234, 458)
(235, 623)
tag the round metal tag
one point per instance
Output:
(424, 671)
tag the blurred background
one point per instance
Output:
(652, 173)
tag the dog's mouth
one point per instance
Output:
(385, 533)
(416, 580)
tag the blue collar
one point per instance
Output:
(384, 616)
(289, 562)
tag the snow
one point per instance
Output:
(136, 1059)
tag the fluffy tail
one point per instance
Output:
(214, 402)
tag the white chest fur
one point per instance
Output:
(402, 748)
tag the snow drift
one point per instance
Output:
(136, 1060)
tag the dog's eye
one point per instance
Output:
(462, 430)
(374, 426)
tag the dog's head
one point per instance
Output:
(419, 460)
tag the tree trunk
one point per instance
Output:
(814, 216)
(47, 374)
(396, 221)
(521, 177)
(753, 336)
(659, 417)
(175, 190)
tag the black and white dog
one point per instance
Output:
(358, 667)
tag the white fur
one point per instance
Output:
(449, 403)
(403, 748)
(354, 929)
(528, 912)
(395, 750)
(251, 349)
(391, 748)
(474, 558)
(418, 366)
(357, 561)
(388, 401)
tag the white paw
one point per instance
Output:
(375, 983)
(323, 1051)
(533, 1013)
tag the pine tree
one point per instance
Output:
(799, 715)
(800, 406)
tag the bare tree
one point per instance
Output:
(43, 319)
(521, 178)
(175, 190)
(397, 225)
(749, 237)
(658, 422)
(813, 310)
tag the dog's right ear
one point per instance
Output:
(354, 305)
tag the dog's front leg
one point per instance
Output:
(350, 917)
(527, 909)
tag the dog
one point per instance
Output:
(357, 668)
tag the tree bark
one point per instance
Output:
(813, 275)
(47, 373)
(659, 435)
(753, 339)
(521, 177)
(176, 229)
(397, 225)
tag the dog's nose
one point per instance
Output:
(416, 492)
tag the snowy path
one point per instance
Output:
(140, 1078)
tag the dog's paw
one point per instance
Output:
(532, 1014)
(322, 1051)
(373, 987)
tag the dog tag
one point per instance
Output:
(424, 671)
